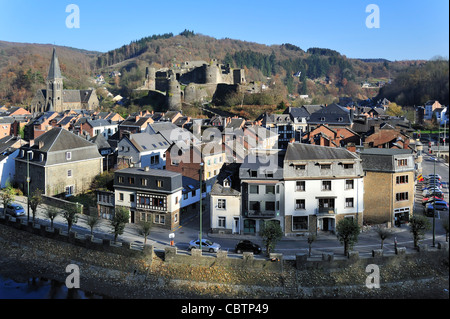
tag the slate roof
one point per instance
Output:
(383, 159)
(297, 112)
(300, 151)
(333, 114)
(54, 72)
(145, 142)
(59, 139)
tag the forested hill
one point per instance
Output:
(323, 74)
(419, 84)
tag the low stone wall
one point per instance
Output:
(87, 241)
(379, 257)
(247, 261)
(60, 203)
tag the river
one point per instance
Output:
(41, 288)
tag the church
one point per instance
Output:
(55, 99)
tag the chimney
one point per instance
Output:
(147, 168)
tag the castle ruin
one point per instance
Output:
(193, 81)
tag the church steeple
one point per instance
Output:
(54, 71)
(54, 85)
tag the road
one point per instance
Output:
(288, 246)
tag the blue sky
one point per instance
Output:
(408, 29)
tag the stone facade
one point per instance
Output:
(55, 98)
(59, 162)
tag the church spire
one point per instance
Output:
(54, 71)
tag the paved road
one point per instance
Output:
(289, 246)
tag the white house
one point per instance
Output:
(321, 186)
(143, 149)
(225, 203)
(9, 149)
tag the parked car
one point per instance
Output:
(207, 245)
(247, 245)
(436, 176)
(15, 210)
(432, 192)
(429, 199)
(440, 205)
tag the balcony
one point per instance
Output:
(325, 211)
(260, 214)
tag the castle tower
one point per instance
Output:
(54, 85)
(150, 78)
(173, 94)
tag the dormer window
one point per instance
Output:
(68, 156)
(322, 119)
(226, 183)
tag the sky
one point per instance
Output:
(393, 30)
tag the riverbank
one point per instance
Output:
(24, 255)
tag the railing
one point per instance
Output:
(325, 211)
(261, 214)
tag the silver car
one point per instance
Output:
(15, 210)
(207, 245)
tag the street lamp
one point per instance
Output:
(28, 185)
(201, 196)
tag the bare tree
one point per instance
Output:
(384, 233)
(92, 221)
(311, 238)
(51, 213)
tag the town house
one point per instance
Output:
(150, 195)
(322, 185)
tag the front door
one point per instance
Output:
(249, 226)
(236, 228)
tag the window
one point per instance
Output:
(159, 183)
(300, 204)
(325, 166)
(253, 173)
(270, 205)
(120, 179)
(401, 196)
(300, 186)
(349, 202)
(254, 205)
(300, 223)
(132, 198)
(160, 219)
(222, 222)
(326, 185)
(130, 180)
(270, 189)
(349, 184)
(121, 196)
(254, 189)
(154, 159)
(69, 173)
(69, 190)
(300, 167)
(402, 162)
(68, 156)
(143, 182)
(222, 203)
(402, 179)
(348, 166)
(269, 174)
